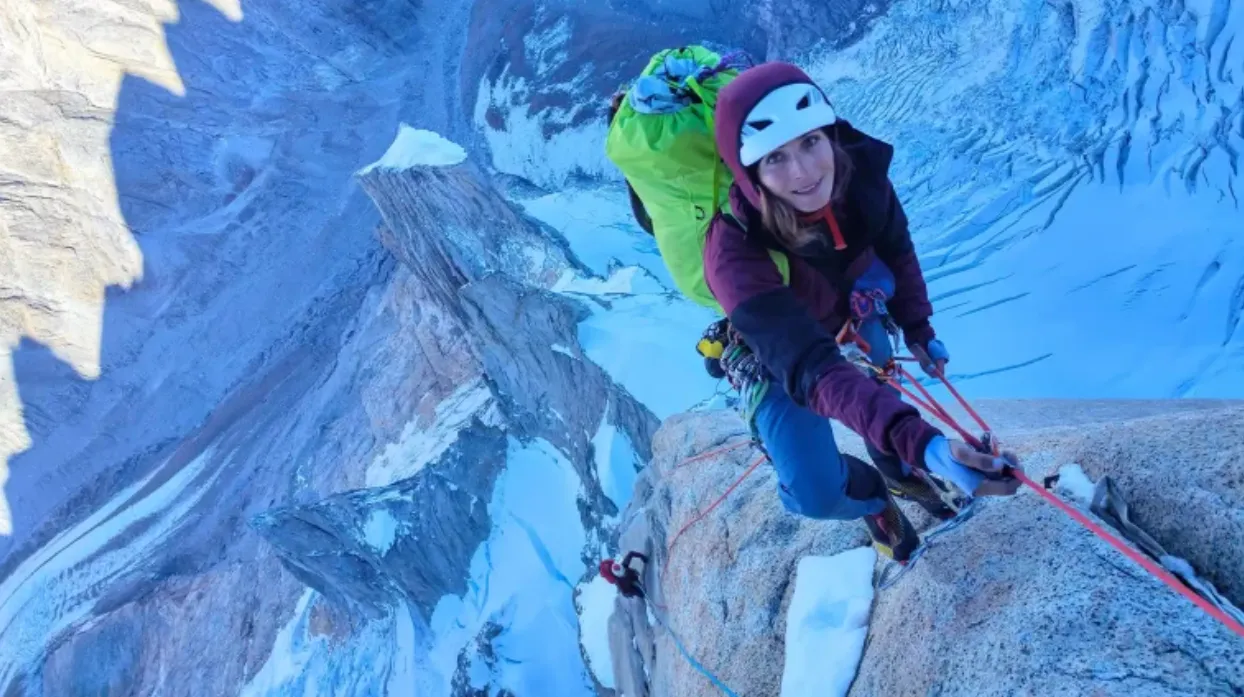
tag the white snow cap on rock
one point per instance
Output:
(1074, 482)
(827, 623)
(414, 147)
(595, 602)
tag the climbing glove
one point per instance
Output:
(933, 357)
(975, 473)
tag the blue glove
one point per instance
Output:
(933, 352)
(939, 460)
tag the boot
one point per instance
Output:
(893, 535)
(933, 495)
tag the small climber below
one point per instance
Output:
(625, 576)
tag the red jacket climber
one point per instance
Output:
(623, 575)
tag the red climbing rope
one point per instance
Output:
(895, 374)
(670, 547)
(1145, 562)
(1135, 556)
(700, 458)
(712, 453)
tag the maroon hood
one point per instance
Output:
(734, 102)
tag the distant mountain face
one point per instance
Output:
(210, 339)
(540, 73)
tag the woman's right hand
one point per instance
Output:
(974, 472)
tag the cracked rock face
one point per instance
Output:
(374, 549)
(1020, 600)
(1024, 601)
(729, 577)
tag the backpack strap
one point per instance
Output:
(780, 259)
(729, 216)
(638, 211)
(842, 284)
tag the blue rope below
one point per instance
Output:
(691, 659)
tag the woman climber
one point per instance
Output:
(810, 185)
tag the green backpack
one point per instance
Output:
(661, 138)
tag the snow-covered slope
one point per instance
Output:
(1073, 182)
(273, 354)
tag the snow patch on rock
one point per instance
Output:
(827, 623)
(415, 147)
(595, 604)
(418, 446)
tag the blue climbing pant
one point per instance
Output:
(812, 475)
(814, 478)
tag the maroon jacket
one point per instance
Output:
(792, 328)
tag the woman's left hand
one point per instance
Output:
(933, 357)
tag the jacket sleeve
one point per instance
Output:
(800, 353)
(910, 305)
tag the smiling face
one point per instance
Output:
(801, 172)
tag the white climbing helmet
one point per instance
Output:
(782, 116)
(618, 570)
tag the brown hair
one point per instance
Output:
(781, 218)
